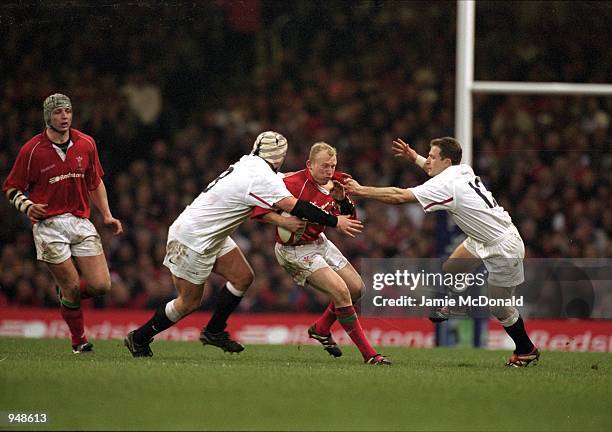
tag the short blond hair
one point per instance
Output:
(319, 147)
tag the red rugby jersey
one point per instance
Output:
(62, 184)
(302, 186)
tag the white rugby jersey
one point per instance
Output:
(460, 192)
(226, 202)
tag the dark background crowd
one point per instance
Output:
(173, 92)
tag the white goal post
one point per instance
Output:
(465, 85)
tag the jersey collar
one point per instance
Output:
(317, 185)
(59, 152)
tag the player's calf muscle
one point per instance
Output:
(189, 298)
(242, 281)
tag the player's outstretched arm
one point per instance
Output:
(387, 195)
(290, 223)
(404, 151)
(100, 199)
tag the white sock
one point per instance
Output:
(171, 312)
(233, 290)
(511, 320)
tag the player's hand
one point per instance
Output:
(403, 150)
(337, 192)
(116, 223)
(348, 226)
(293, 224)
(37, 212)
(352, 186)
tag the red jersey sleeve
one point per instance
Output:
(18, 178)
(94, 172)
(258, 212)
(340, 176)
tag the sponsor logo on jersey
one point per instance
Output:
(65, 176)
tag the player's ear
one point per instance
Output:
(308, 164)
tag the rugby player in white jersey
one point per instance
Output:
(199, 241)
(491, 235)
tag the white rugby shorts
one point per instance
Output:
(191, 265)
(503, 258)
(60, 237)
(303, 260)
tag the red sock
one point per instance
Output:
(349, 321)
(74, 319)
(324, 323)
(83, 290)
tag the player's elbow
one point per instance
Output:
(287, 204)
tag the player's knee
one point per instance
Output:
(445, 267)
(450, 266)
(340, 293)
(356, 292)
(101, 287)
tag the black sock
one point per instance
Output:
(157, 324)
(226, 304)
(518, 334)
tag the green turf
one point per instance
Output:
(187, 386)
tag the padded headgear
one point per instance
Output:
(272, 147)
(52, 102)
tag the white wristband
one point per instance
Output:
(420, 161)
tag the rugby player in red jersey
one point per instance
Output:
(54, 177)
(313, 259)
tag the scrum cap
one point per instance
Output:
(52, 102)
(270, 146)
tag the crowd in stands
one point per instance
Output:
(174, 94)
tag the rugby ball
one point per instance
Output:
(288, 237)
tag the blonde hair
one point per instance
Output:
(319, 147)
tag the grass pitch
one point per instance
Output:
(190, 387)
